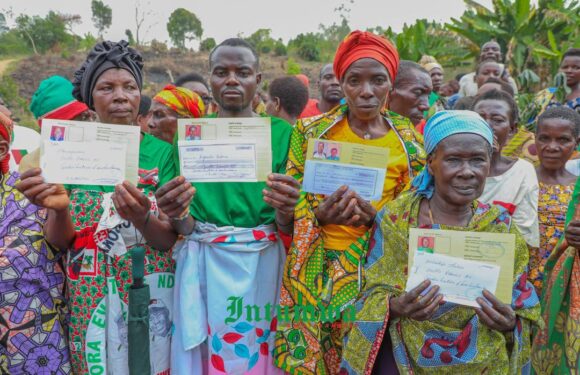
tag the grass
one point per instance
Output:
(9, 93)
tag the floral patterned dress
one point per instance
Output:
(32, 305)
(552, 207)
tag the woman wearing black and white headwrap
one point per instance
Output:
(98, 225)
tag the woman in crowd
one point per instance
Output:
(287, 98)
(32, 305)
(556, 344)
(417, 332)
(512, 183)
(170, 104)
(99, 225)
(436, 100)
(556, 139)
(570, 67)
(331, 233)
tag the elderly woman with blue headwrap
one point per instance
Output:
(417, 331)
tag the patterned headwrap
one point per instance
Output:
(429, 63)
(54, 100)
(183, 101)
(363, 44)
(6, 132)
(444, 124)
(104, 56)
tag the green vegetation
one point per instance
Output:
(183, 25)
(533, 36)
(102, 16)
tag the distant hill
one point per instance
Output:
(159, 69)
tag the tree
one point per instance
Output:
(102, 16)
(183, 25)
(44, 33)
(533, 37)
(261, 40)
(130, 37)
(3, 27)
(207, 44)
(142, 13)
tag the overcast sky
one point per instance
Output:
(226, 18)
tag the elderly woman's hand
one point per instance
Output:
(413, 305)
(131, 204)
(498, 316)
(572, 234)
(283, 194)
(338, 208)
(174, 198)
(40, 193)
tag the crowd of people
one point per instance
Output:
(460, 158)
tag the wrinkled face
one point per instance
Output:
(116, 97)
(490, 50)
(200, 89)
(460, 165)
(497, 114)
(411, 96)
(366, 85)
(163, 122)
(436, 78)
(487, 70)
(329, 86)
(556, 142)
(234, 77)
(570, 66)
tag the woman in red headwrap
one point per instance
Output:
(332, 233)
(170, 104)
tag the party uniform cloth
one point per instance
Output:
(227, 285)
(33, 336)
(454, 340)
(233, 253)
(99, 273)
(552, 207)
(324, 263)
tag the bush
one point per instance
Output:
(11, 43)
(158, 47)
(280, 49)
(207, 44)
(293, 67)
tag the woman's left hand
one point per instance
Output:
(498, 316)
(283, 194)
(365, 211)
(131, 204)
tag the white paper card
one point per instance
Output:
(326, 178)
(81, 163)
(89, 132)
(219, 161)
(460, 281)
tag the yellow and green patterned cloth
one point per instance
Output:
(454, 340)
(557, 344)
(316, 273)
